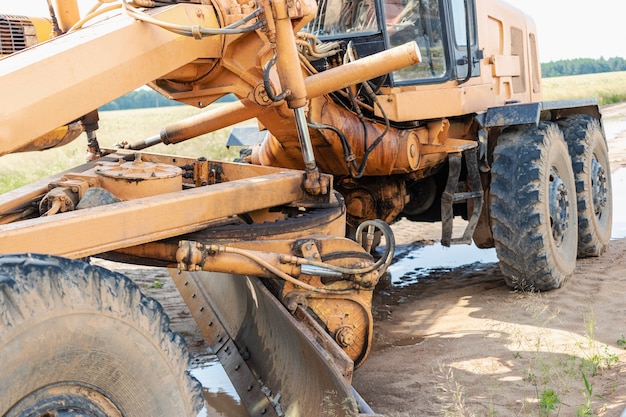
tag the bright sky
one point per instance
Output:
(566, 28)
(569, 29)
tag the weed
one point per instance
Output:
(158, 284)
(595, 359)
(548, 402)
(585, 409)
(622, 342)
(451, 386)
(608, 88)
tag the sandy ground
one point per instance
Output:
(464, 344)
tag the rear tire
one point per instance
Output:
(590, 162)
(77, 339)
(533, 207)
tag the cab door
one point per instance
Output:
(466, 58)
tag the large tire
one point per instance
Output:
(533, 207)
(79, 340)
(590, 162)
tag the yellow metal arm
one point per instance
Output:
(91, 67)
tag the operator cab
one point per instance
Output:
(445, 31)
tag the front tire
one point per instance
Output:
(79, 340)
(590, 162)
(533, 207)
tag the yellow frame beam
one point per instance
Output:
(88, 232)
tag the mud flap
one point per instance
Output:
(277, 364)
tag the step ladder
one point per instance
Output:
(456, 192)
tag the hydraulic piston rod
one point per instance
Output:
(316, 85)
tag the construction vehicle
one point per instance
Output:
(368, 111)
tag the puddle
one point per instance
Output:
(614, 126)
(618, 181)
(221, 398)
(430, 259)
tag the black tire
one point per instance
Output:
(77, 339)
(533, 207)
(590, 162)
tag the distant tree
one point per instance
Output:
(582, 66)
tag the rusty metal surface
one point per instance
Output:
(137, 179)
(341, 304)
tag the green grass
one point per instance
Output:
(137, 124)
(607, 87)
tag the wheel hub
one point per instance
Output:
(65, 400)
(599, 183)
(559, 207)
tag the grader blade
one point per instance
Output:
(276, 363)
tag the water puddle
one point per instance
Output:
(613, 127)
(428, 260)
(618, 181)
(220, 397)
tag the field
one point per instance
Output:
(115, 127)
(608, 87)
(133, 125)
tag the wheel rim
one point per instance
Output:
(599, 184)
(65, 400)
(559, 207)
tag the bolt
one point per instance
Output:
(345, 336)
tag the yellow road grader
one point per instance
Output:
(367, 111)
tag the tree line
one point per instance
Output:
(581, 66)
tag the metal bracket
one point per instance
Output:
(232, 359)
(453, 195)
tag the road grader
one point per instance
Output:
(367, 112)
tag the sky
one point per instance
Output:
(566, 29)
